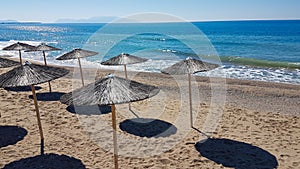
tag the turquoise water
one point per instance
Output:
(261, 40)
(254, 50)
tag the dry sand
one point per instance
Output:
(259, 128)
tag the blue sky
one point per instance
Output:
(52, 10)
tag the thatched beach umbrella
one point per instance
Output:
(43, 47)
(31, 74)
(77, 54)
(124, 59)
(19, 47)
(4, 63)
(110, 90)
(189, 66)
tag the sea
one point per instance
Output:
(263, 50)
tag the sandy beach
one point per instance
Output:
(259, 126)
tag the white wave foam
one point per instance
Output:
(259, 74)
(225, 71)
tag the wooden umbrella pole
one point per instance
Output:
(126, 77)
(190, 98)
(50, 89)
(81, 72)
(45, 61)
(125, 70)
(38, 119)
(20, 57)
(114, 125)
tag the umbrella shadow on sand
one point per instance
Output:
(146, 127)
(48, 96)
(89, 110)
(10, 135)
(235, 154)
(46, 161)
(22, 88)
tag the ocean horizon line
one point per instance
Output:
(190, 21)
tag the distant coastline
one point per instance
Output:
(17, 22)
(191, 21)
(246, 20)
(110, 19)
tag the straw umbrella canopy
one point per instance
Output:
(19, 47)
(31, 74)
(110, 90)
(77, 54)
(4, 63)
(44, 47)
(189, 66)
(124, 59)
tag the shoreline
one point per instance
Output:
(119, 68)
(239, 92)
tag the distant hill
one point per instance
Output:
(15, 21)
(101, 19)
(8, 21)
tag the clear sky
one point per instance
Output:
(52, 10)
